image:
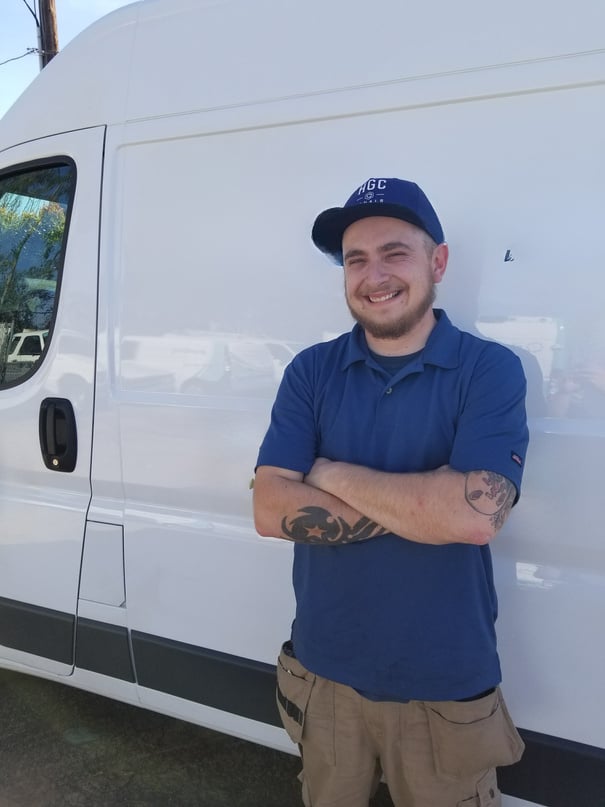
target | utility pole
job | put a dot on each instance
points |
(47, 31)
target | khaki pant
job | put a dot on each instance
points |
(431, 754)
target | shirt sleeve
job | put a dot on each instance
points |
(492, 432)
(291, 440)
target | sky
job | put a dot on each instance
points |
(18, 33)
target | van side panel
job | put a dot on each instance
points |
(212, 272)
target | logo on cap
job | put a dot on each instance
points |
(370, 192)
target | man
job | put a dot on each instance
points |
(394, 456)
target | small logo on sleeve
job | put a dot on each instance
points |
(516, 458)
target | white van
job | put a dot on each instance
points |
(158, 182)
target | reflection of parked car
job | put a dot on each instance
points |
(204, 363)
(26, 347)
(240, 364)
(235, 365)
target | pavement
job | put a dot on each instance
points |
(61, 747)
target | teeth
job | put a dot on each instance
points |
(382, 298)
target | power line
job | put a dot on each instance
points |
(32, 12)
(46, 23)
(28, 52)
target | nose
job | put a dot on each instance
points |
(376, 270)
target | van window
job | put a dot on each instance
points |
(34, 210)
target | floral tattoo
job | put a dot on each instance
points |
(490, 494)
(315, 525)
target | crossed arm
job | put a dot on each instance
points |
(339, 503)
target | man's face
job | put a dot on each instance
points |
(390, 277)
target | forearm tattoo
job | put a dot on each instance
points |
(490, 494)
(315, 525)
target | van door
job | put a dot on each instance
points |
(50, 193)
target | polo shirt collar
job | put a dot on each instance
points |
(442, 348)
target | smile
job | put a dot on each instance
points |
(382, 298)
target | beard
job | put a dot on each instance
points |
(401, 326)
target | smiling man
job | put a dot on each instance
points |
(393, 458)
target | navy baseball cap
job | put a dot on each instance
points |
(395, 198)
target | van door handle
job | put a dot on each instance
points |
(58, 434)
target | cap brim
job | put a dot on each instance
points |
(330, 225)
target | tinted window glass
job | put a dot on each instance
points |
(34, 208)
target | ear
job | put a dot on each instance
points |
(439, 262)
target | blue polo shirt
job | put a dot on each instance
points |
(396, 619)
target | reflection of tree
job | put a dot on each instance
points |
(30, 243)
(33, 207)
(16, 231)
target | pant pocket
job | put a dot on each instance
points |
(294, 686)
(488, 794)
(470, 737)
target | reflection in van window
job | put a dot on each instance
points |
(34, 207)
